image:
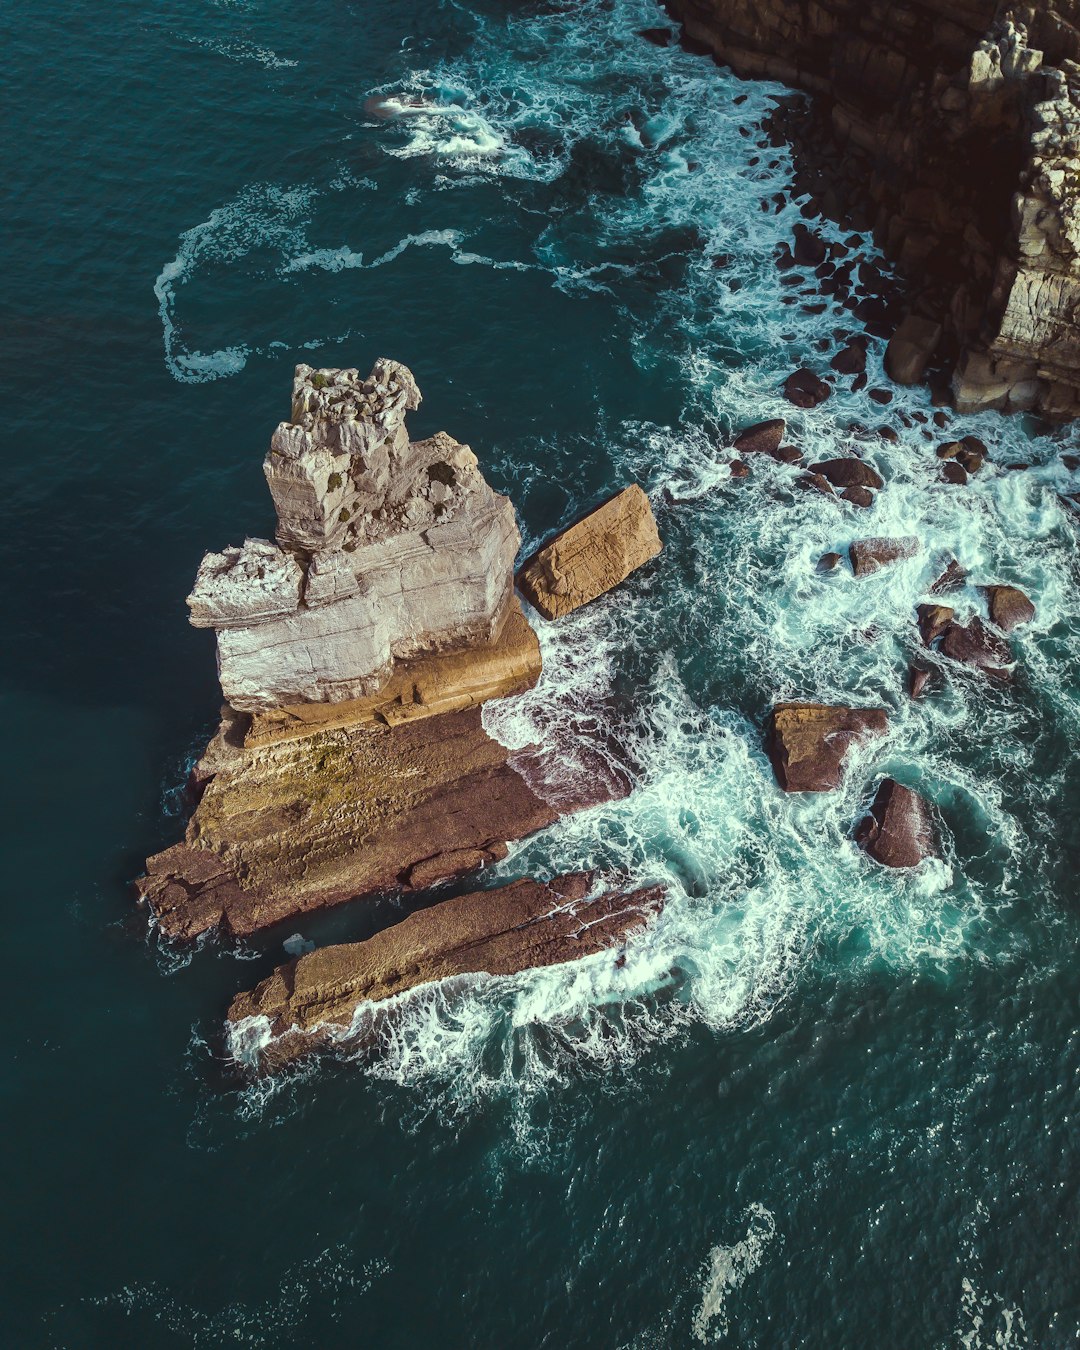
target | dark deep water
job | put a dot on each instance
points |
(849, 1118)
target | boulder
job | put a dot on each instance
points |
(809, 742)
(951, 579)
(850, 360)
(953, 472)
(813, 482)
(850, 472)
(910, 349)
(805, 389)
(314, 1001)
(917, 680)
(870, 555)
(589, 558)
(858, 496)
(762, 437)
(828, 562)
(933, 621)
(974, 645)
(899, 831)
(1008, 606)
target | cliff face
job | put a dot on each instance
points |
(961, 121)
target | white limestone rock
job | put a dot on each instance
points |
(245, 586)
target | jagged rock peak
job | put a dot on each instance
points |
(386, 548)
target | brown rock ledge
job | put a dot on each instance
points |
(521, 926)
(299, 824)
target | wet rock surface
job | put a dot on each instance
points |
(1009, 607)
(500, 932)
(899, 831)
(808, 743)
(871, 555)
(592, 556)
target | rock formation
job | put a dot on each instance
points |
(314, 1000)
(590, 557)
(958, 126)
(386, 548)
(899, 831)
(355, 652)
(809, 742)
(871, 555)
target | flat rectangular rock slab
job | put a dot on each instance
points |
(809, 742)
(301, 824)
(592, 556)
(523, 926)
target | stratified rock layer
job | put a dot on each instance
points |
(591, 557)
(522, 926)
(960, 122)
(386, 549)
(298, 824)
(809, 742)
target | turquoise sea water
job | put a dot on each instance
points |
(821, 1105)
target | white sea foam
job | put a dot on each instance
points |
(236, 49)
(727, 1269)
(988, 1321)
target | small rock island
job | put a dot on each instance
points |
(355, 651)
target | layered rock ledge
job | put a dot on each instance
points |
(314, 1000)
(958, 123)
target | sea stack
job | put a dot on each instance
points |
(355, 650)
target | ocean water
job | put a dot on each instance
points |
(821, 1105)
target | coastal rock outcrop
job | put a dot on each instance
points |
(314, 1000)
(957, 133)
(809, 742)
(1009, 607)
(899, 831)
(871, 555)
(589, 558)
(386, 548)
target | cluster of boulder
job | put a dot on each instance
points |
(953, 133)
(355, 651)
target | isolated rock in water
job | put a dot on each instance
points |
(808, 742)
(951, 579)
(312, 1001)
(933, 621)
(899, 831)
(858, 496)
(805, 389)
(910, 349)
(870, 555)
(917, 680)
(385, 549)
(763, 437)
(954, 473)
(975, 645)
(828, 562)
(813, 482)
(846, 473)
(591, 557)
(1009, 607)
(850, 360)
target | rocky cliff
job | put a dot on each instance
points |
(959, 121)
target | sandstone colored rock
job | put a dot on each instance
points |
(386, 549)
(933, 621)
(310, 1002)
(809, 742)
(1009, 607)
(870, 555)
(762, 437)
(592, 556)
(297, 824)
(899, 831)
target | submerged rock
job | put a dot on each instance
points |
(591, 557)
(1009, 607)
(311, 1001)
(809, 742)
(899, 831)
(870, 555)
